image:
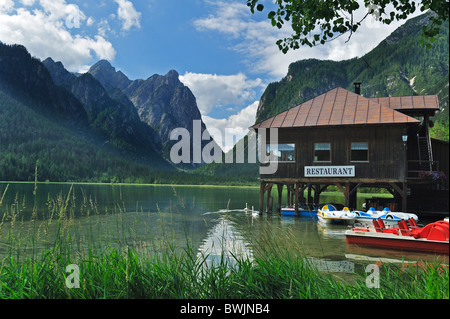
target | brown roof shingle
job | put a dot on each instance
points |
(342, 107)
(408, 102)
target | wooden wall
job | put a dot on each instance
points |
(440, 154)
(386, 150)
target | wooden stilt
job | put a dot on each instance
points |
(301, 193)
(297, 186)
(316, 193)
(402, 191)
(353, 195)
(405, 198)
(269, 199)
(280, 196)
(262, 188)
(288, 196)
(347, 194)
(309, 199)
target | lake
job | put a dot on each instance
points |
(210, 219)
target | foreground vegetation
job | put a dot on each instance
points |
(116, 273)
(35, 255)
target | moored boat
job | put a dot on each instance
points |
(304, 210)
(433, 238)
(328, 214)
(388, 217)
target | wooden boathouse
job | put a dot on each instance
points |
(344, 139)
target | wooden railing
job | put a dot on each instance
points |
(415, 168)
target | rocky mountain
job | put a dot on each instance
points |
(69, 132)
(399, 66)
(135, 113)
(162, 101)
(116, 120)
(107, 75)
(96, 126)
(26, 77)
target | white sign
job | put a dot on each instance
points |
(329, 171)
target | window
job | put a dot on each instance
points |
(281, 152)
(322, 152)
(359, 152)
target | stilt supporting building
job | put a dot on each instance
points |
(343, 139)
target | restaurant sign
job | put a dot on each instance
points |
(329, 171)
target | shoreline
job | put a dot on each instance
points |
(127, 184)
(165, 185)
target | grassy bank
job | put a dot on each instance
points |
(125, 264)
(123, 273)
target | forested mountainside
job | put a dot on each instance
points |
(73, 128)
(45, 125)
(399, 66)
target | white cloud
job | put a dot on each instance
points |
(128, 15)
(366, 38)
(90, 21)
(47, 31)
(104, 28)
(27, 2)
(212, 90)
(234, 128)
(231, 13)
(6, 5)
(222, 91)
(256, 40)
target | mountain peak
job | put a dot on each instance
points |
(107, 75)
(105, 65)
(172, 78)
(59, 74)
(172, 73)
(49, 60)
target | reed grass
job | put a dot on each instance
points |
(127, 264)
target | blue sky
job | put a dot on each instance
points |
(223, 53)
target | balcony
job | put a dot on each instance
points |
(425, 172)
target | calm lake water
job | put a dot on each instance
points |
(211, 219)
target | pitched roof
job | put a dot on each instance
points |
(409, 102)
(342, 107)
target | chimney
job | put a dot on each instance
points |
(357, 87)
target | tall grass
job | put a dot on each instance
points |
(127, 264)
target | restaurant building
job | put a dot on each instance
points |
(343, 139)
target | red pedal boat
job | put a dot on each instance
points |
(432, 238)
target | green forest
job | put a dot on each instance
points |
(31, 142)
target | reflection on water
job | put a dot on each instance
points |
(211, 220)
(224, 241)
(330, 231)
